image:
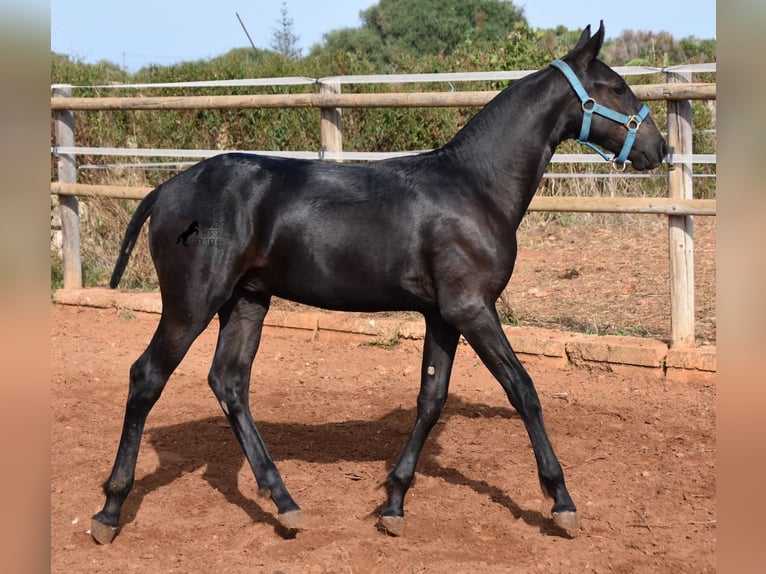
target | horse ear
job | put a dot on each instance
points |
(584, 37)
(598, 39)
(587, 48)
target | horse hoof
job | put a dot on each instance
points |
(292, 519)
(102, 533)
(566, 520)
(393, 525)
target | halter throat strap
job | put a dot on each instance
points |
(590, 107)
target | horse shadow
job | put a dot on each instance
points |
(209, 443)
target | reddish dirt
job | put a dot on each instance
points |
(639, 455)
(609, 278)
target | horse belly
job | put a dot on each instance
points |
(353, 276)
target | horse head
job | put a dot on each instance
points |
(604, 109)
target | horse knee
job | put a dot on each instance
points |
(229, 389)
(431, 399)
(431, 405)
(526, 402)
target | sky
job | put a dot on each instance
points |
(141, 32)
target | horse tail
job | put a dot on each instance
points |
(131, 234)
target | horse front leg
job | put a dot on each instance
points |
(483, 331)
(438, 354)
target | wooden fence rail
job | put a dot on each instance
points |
(334, 99)
(655, 205)
(678, 206)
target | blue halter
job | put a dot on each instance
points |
(590, 107)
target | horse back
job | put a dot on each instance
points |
(338, 236)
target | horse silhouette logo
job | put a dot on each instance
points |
(191, 230)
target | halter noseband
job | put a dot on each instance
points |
(590, 107)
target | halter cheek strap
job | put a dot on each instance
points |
(590, 107)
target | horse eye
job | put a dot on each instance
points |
(620, 90)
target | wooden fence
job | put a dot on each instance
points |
(679, 206)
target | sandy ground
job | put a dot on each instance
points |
(639, 456)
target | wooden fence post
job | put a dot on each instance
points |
(681, 227)
(331, 121)
(68, 205)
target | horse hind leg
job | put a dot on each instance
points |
(238, 340)
(148, 376)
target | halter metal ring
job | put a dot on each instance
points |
(633, 123)
(619, 166)
(588, 104)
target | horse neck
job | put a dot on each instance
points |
(507, 146)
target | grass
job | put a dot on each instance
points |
(505, 312)
(386, 341)
(127, 314)
(57, 271)
(634, 331)
(94, 273)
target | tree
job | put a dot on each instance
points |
(283, 40)
(639, 47)
(423, 27)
